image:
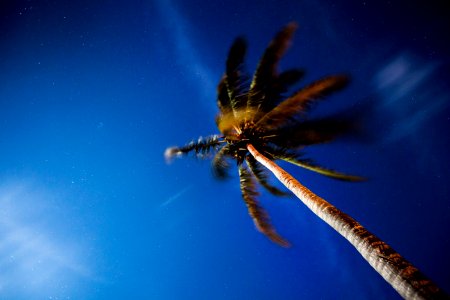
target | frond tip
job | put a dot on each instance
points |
(201, 148)
(171, 153)
(258, 214)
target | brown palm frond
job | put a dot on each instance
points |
(258, 214)
(261, 176)
(300, 101)
(235, 76)
(220, 165)
(279, 86)
(267, 71)
(315, 131)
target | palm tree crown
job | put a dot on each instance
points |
(258, 127)
(256, 114)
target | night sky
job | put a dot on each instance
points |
(92, 93)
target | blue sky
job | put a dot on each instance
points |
(91, 94)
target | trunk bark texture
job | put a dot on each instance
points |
(407, 280)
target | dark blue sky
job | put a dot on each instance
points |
(92, 92)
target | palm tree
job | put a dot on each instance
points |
(258, 127)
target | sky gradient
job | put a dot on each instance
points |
(92, 93)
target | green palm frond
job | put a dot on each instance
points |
(235, 77)
(223, 99)
(258, 214)
(261, 175)
(310, 165)
(267, 72)
(300, 101)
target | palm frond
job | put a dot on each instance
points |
(224, 104)
(201, 148)
(223, 99)
(279, 86)
(310, 165)
(300, 101)
(235, 76)
(316, 131)
(261, 176)
(220, 164)
(266, 72)
(258, 214)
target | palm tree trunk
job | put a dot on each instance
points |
(407, 280)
